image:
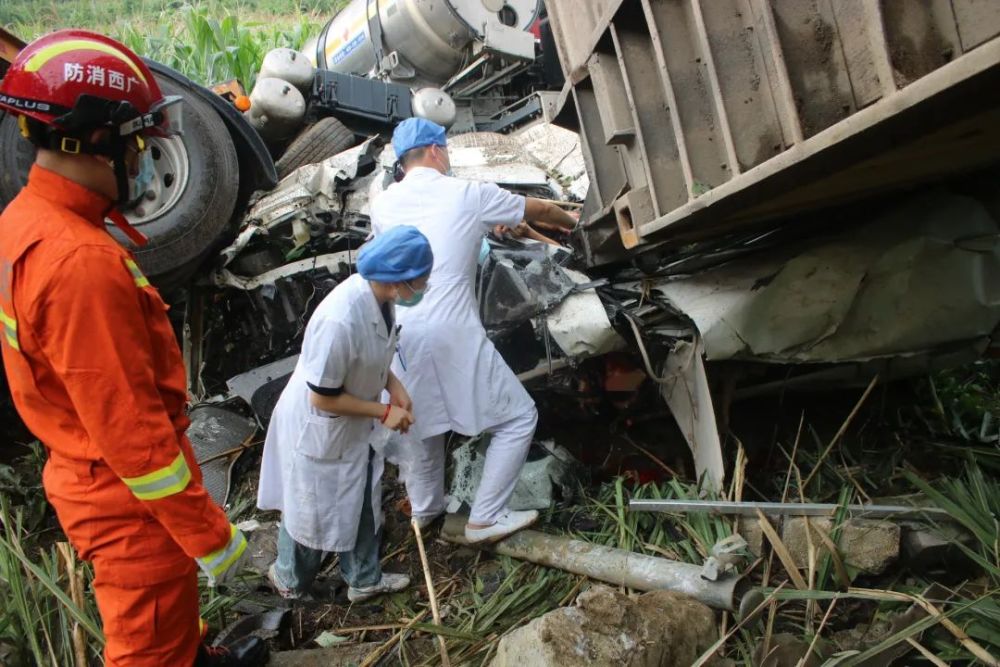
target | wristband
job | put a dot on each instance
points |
(385, 415)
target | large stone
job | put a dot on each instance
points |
(866, 545)
(606, 628)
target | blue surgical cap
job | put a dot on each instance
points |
(417, 133)
(401, 254)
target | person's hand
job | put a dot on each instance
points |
(224, 564)
(398, 419)
(552, 228)
(518, 231)
(398, 395)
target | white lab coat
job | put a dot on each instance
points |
(456, 378)
(315, 463)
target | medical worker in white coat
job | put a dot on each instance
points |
(319, 468)
(458, 380)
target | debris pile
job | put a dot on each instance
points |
(650, 387)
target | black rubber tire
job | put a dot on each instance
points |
(324, 138)
(181, 235)
(16, 156)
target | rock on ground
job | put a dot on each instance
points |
(607, 628)
(339, 656)
(867, 545)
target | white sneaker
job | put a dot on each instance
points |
(286, 593)
(509, 523)
(390, 583)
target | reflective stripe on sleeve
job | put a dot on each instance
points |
(161, 483)
(9, 329)
(219, 561)
(133, 268)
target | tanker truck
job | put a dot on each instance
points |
(463, 63)
(470, 65)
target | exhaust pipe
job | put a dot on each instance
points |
(616, 566)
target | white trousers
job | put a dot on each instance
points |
(422, 469)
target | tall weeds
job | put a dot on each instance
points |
(37, 616)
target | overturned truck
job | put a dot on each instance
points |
(774, 195)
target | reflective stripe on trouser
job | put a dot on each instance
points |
(219, 561)
(152, 625)
(9, 329)
(166, 481)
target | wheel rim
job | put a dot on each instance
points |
(171, 168)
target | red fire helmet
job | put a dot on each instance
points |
(75, 80)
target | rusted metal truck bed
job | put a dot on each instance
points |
(699, 117)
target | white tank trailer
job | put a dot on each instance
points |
(429, 38)
(418, 43)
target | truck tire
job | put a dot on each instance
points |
(16, 156)
(324, 138)
(196, 185)
(195, 189)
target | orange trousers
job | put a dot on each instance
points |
(146, 587)
(155, 626)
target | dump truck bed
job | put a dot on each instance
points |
(700, 117)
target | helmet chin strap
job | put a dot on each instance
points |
(121, 178)
(113, 148)
(133, 234)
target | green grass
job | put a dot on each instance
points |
(38, 615)
(209, 41)
(34, 17)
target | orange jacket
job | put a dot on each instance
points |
(96, 374)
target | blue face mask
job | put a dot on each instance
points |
(139, 184)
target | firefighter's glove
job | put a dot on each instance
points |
(222, 565)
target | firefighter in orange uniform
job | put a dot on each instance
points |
(91, 359)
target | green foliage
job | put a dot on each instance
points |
(974, 501)
(687, 537)
(210, 50)
(37, 615)
(965, 402)
(209, 42)
(22, 484)
(525, 591)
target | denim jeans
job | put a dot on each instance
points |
(297, 565)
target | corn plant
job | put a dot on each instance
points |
(208, 42)
(209, 49)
